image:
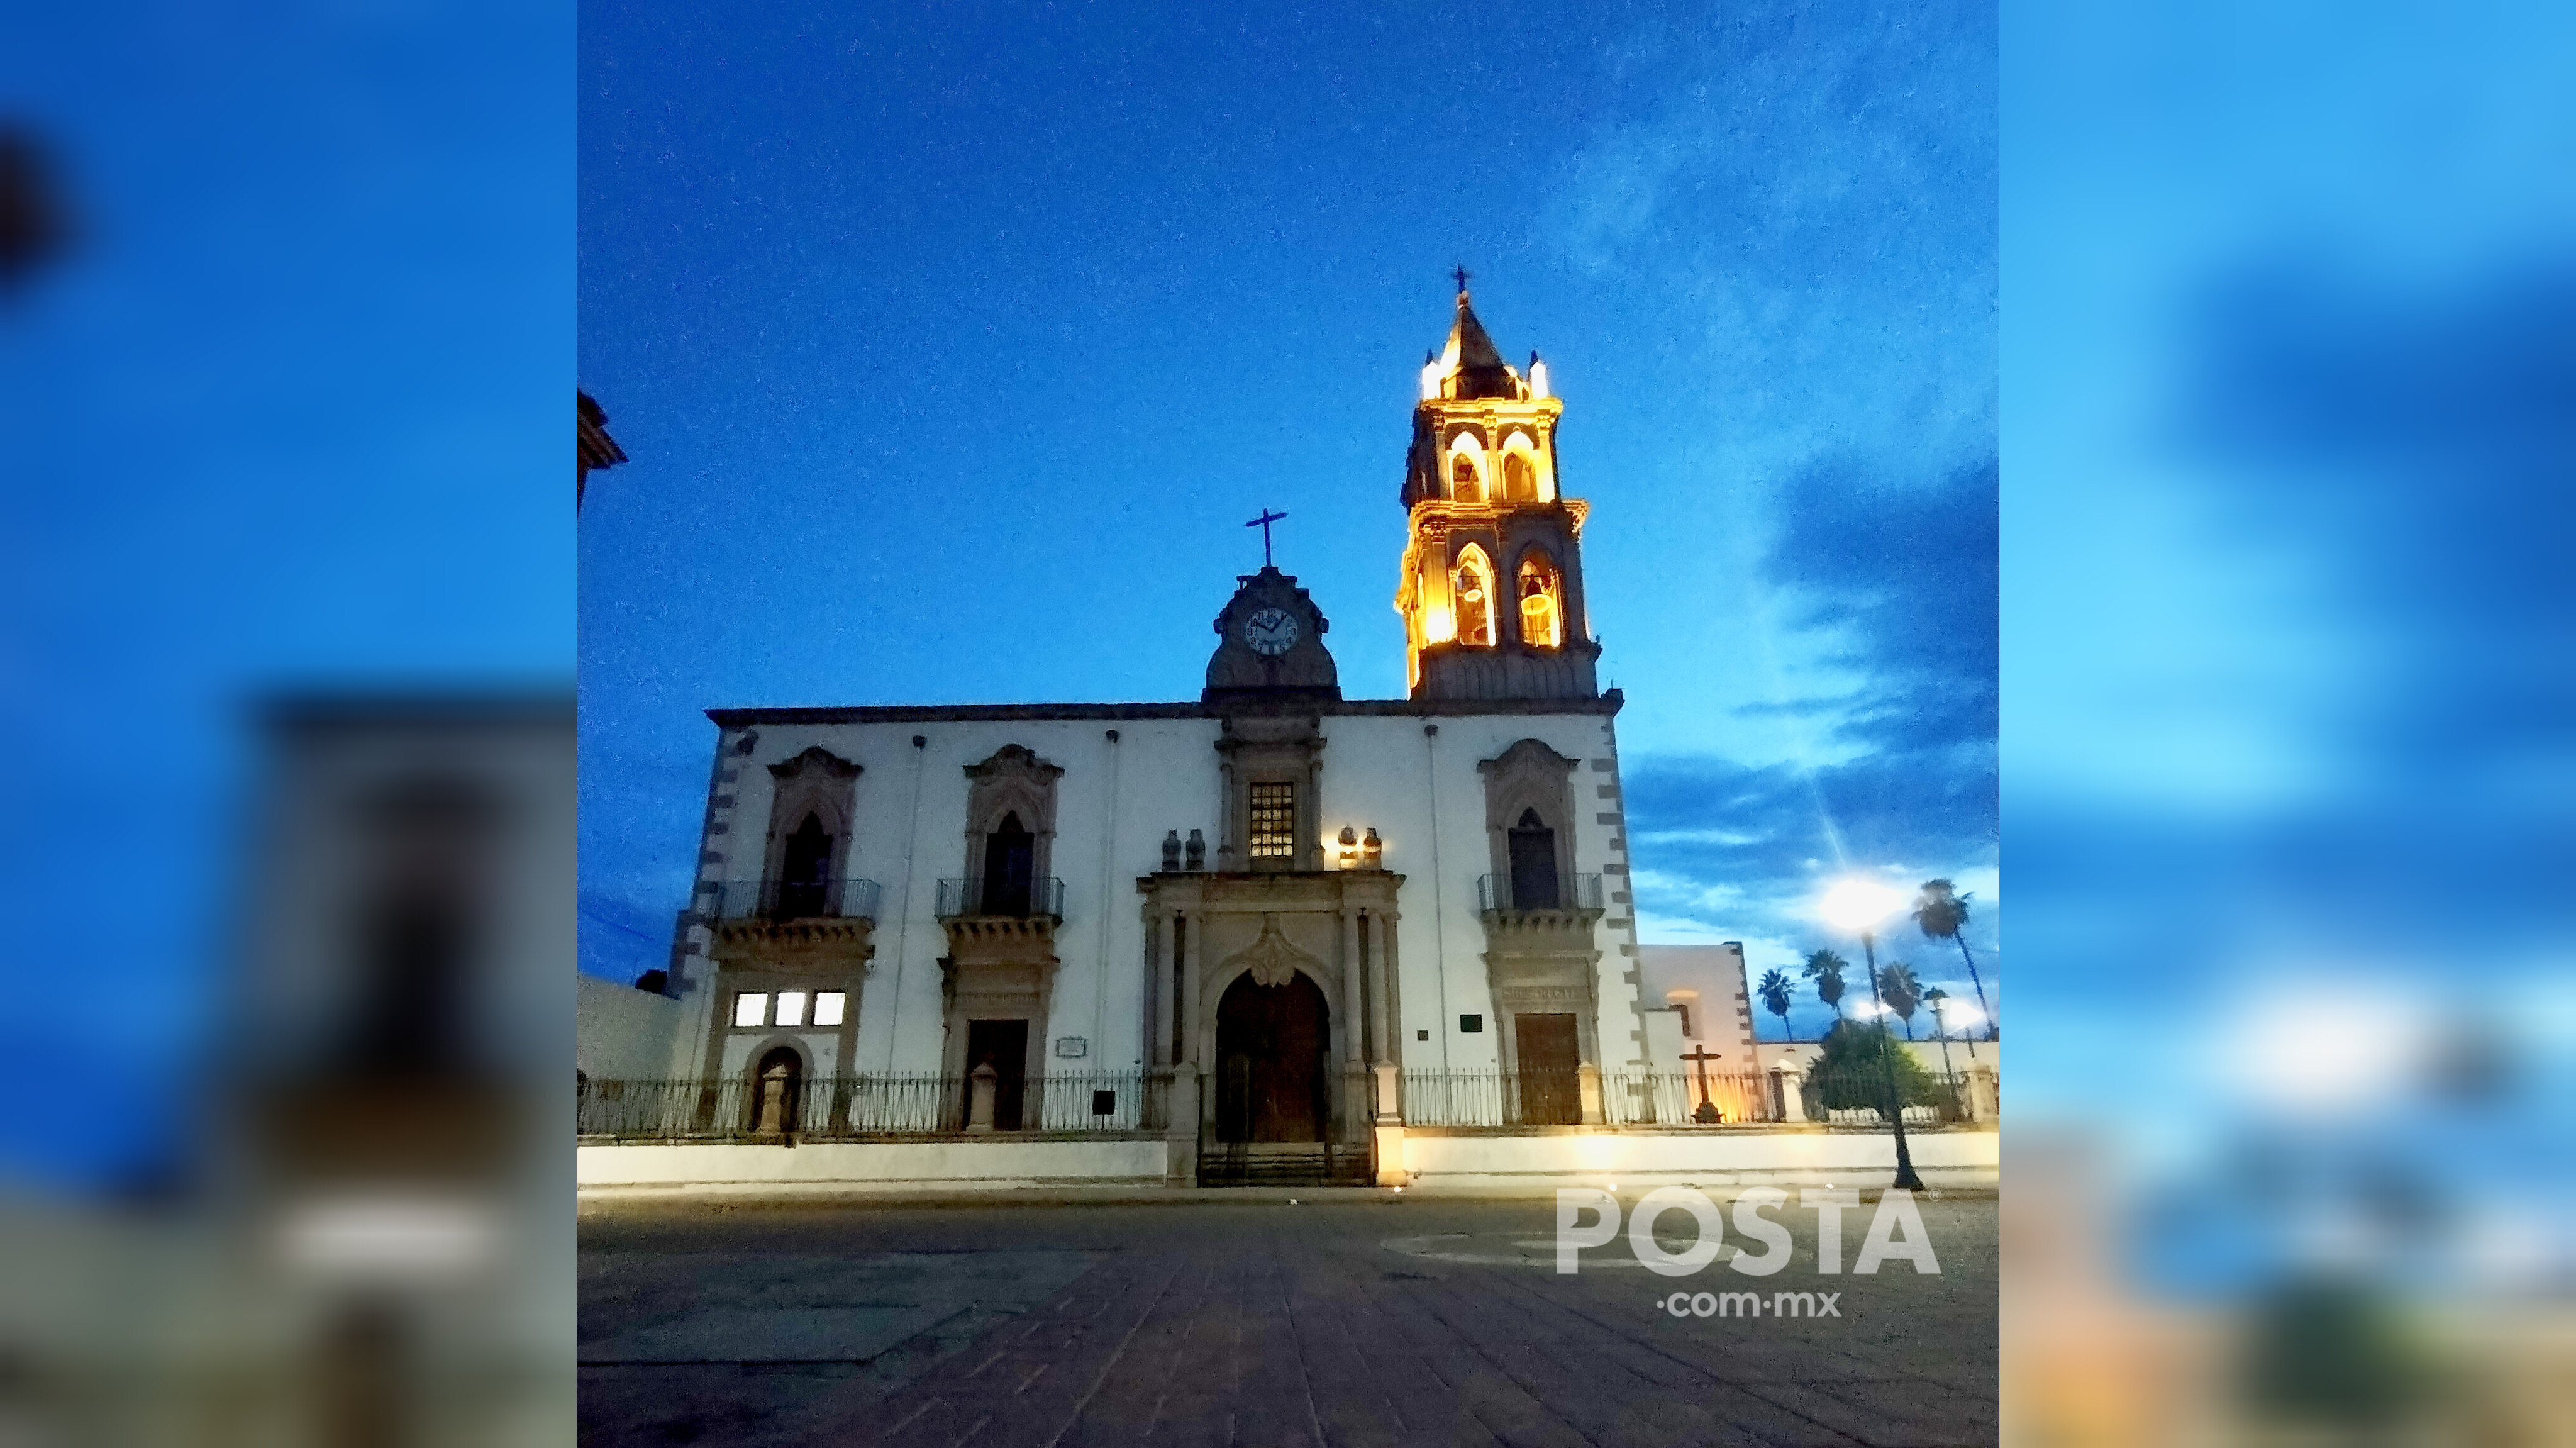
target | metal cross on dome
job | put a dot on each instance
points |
(1263, 523)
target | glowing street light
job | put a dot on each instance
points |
(1964, 1018)
(1859, 906)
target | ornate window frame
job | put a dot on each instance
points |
(1530, 776)
(1012, 780)
(820, 783)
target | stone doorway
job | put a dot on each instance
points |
(1272, 1045)
(1003, 1045)
(775, 1089)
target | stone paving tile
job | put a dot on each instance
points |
(1298, 1326)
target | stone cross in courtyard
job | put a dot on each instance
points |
(1707, 1113)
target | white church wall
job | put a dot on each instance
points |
(822, 1050)
(1114, 804)
(1426, 797)
(619, 1032)
(1162, 775)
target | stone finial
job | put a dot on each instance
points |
(1373, 851)
(983, 1091)
(1198, 851)
(1171, 851)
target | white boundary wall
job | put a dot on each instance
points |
(871, 1166)
(1641, 1158)
(1821, 1158)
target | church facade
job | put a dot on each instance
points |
(1287, 901)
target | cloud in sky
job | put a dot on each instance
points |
(1814, 194)
(1903, 582)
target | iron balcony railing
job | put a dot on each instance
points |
(789, 900)
(1015, 899)
(739, 1109)
(1567, 892)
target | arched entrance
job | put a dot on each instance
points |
(1272, 1042)
(775, 1088)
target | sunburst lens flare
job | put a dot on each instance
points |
(1860, 905)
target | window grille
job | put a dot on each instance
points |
(1274, 822)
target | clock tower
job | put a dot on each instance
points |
(1270, 646)
(1491, 587)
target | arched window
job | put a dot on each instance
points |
(1520, 479)
(805, 870)
(1464, 483)
(1473, 587)
(1010, 865)
(1533, 850)
(1542, 605)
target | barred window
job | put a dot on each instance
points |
(1274, 822)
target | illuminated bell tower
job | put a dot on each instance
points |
(1492, 583)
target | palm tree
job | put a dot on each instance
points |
(1941, 913)
(1774, 991)
(1901, 991)
(1826, 969)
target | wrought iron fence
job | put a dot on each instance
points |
(1572, 892)
(790, 900)
(736, 1108)
(1856, 1096)
(1017, 899)
(1492, 1098)
(1670, 1098)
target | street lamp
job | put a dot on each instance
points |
(1936, 998)
(1858, 906)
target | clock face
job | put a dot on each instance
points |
(1271, 632)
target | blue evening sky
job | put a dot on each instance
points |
(288, 416)
(952, 347)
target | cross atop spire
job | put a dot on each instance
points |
(1263, 523)
(1461, 274)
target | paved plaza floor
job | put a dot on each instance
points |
(1421, 1320)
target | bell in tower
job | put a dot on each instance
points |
(1492, 583)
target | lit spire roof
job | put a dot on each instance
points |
(1470, 358)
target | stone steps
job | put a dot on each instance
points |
(1284, 1164)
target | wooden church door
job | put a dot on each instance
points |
(1551, 1089)
(1271, 1044)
